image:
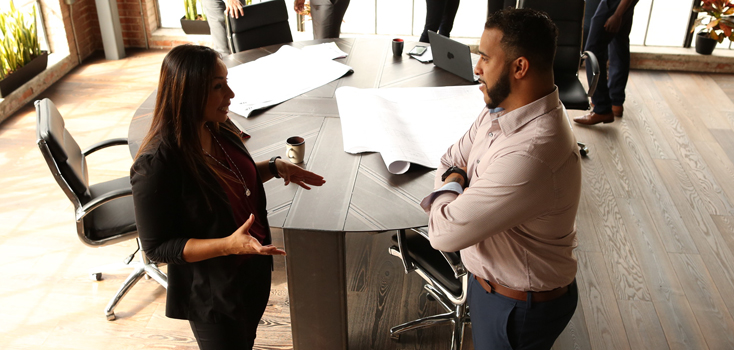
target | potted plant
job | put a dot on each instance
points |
(21, 57)
(719, 24)
(193, 22)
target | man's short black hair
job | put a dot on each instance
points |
(526, 33)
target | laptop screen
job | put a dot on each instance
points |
(452, 56)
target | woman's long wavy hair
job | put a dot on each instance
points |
(183, 90)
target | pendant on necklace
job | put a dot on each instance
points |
(247, 192)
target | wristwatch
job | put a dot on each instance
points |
(273, 168)
(457, 170)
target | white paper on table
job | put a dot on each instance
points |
(271, 79)
(326, 50)
(407, 125)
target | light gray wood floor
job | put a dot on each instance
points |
(656, 231)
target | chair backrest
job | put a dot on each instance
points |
(263, 24)
(568, 15)
(63, 155)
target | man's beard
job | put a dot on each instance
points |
(500, 90)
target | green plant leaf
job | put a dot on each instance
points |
(19, 43)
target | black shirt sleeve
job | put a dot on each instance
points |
(158, 208)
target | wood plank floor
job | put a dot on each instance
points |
(656, 231)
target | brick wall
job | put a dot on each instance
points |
(86, 25)
(89, 35)
(133, 33)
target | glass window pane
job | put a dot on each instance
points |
(394, 16)
(639, 22)
(668, 22)
(171, 13)
(359, 18)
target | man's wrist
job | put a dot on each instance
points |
(456, 177)
(455, 174)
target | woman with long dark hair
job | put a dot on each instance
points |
(200, 203)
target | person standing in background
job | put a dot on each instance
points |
(609, 38)
(215, 11)
(439, 17)
(326, 15)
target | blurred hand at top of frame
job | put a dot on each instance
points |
(233, 8)
(299, 6)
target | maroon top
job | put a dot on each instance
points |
(242, 205)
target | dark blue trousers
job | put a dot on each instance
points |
(439, 17)
(614, 47)
(502, 323)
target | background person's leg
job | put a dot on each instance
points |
(447, 20)
(327, 16)
(619, 60)
(214, 10)
(434, 14)
(598, 43)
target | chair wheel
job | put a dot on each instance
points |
(111, 316)
(97, 276)
(583, 149)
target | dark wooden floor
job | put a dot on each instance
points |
(656, 231)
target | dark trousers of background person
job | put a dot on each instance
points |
(240, 334)
(502, 323)
(327, 16)
(214, 11)
(496, 5)
(614, 47)
(440, 16)
(589, 12)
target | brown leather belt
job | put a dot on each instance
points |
(536, 297)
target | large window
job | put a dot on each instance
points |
(27, 7)
(656, 22)
(663, 23)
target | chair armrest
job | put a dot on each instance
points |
(594, 79)
(452, 258)
(404, 256)
(104, 144)
(97, 201)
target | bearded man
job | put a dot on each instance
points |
(508, 190)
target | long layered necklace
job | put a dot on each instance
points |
(238, 174)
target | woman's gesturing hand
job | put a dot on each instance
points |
(297, 175)
(241, 242)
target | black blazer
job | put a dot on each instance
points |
(170, 208)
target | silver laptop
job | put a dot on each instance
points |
(453, 56)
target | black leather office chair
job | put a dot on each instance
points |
(446, 282)
(263, 24)
(568, 15)
(104, 211)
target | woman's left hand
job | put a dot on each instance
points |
(297, 175)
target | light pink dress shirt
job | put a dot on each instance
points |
(515, 223)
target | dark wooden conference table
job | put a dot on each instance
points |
(360, 195)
